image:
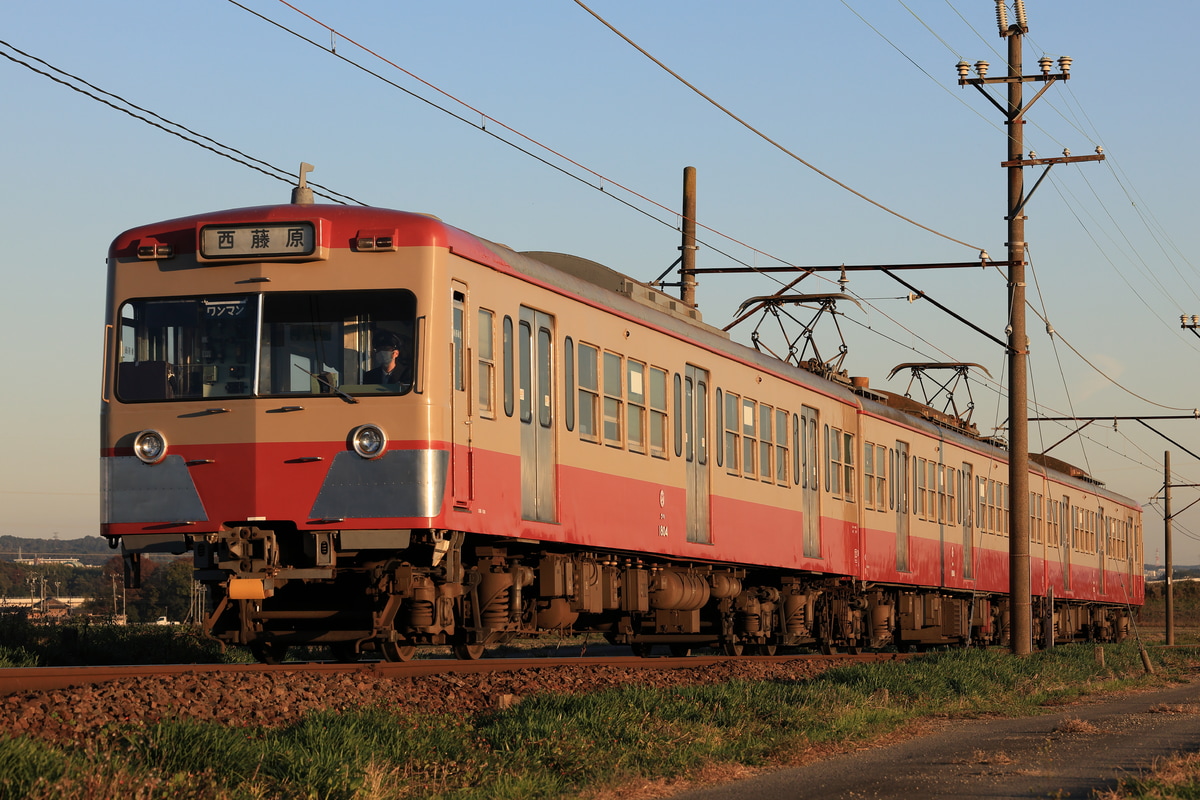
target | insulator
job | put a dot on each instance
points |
(1022, 21)
(1002, 16)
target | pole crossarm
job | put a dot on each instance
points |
(1034, 162)
(981, 264)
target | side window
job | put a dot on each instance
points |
(840, 475)
(589, 392)
(719, 426)
(459, 337)
(509, 370)
(951, 482)
(678, 415)
(920, 489)
(781, 447)
(635, 411)
(797, 475)
(569, 380)
(486, 360)
(545, 357)
(658, 412)
(868, 475)
(749, 437)
(733, 405)
(612, 399)
(526, 383)
(848, 476)
(766, 443)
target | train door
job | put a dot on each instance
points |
(967, 513)
(901, 482)
(460, 401)
(695, 453)
(535, 339)
(1102, 524)
(810, 486)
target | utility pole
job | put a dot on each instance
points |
(1019, 581)
(687, 250)
(1169, 585)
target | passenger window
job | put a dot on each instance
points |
(588, 392)
(612, 399)
(635, 416)
(486, 360)
(749, 437)
(658, 412)
(508, 366)
(569, 378)
(781, 447)
(526, 356)
(459, 336)
(732, 437)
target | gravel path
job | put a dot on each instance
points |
(1071, 753)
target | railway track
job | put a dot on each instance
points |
(43, 679)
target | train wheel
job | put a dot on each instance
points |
(733, 648)
(469, 652)
(681, 650)
(268, 652)
(641, 649)
(765, 649)
(394, 651)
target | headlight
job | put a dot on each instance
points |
(150, 446)
(369, 441)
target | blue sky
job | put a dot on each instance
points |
(866, 91)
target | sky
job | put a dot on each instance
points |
(866, 92)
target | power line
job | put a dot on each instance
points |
(763, 136)
(187, 134)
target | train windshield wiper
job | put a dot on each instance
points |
(332, 387)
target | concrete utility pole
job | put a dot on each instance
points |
(1020, 587)
(1169, 585)
(687, 250)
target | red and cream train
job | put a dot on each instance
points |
(376, 431)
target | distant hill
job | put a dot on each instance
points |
(88, 549)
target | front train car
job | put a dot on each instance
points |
(269, 406)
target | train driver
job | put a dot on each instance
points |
(392, 359)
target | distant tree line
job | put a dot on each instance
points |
(166, 587)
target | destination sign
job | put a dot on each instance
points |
(258, 240)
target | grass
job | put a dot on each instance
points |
(69, 644)
(555, 746)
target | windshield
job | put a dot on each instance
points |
(304, 343)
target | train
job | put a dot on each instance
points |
(376, 432)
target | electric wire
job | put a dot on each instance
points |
(233, 154)
(483, 128)
(763, 136)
